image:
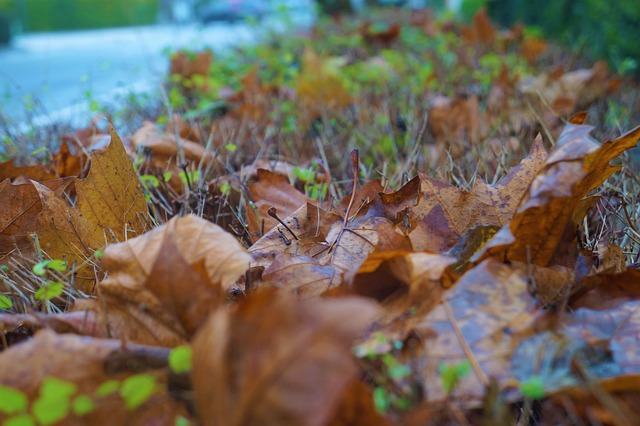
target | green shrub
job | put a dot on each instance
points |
(46, 15)
(598, 29)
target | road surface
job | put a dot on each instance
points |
(49, 77)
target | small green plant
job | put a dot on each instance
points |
(49, 291)
(533, 388)
(451, 374)
(5, 302)
(58, 398)
(180, 359)
(393, 390)
(137, 389)
(41, 268)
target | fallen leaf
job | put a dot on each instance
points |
(577, 165)
(110, 197)
(163, 284)
(271, 191)
(84, 363)
(276, 360)
(444, 212)
(320, 87)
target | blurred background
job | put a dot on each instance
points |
(58, 56)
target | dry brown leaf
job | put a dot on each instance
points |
(319, 87)
(8, 170)
(577, 165)
(110, 198)
(444, 212)
(564, 93)
(186, 65)
(83, 361)
(481, 319)
(271, 190)
(481, 31)
(454, 120)
(277, 360)
(379, 37)
(162, 285)
(164, 146)
(357, 408)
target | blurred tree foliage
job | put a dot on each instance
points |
(606, 29)
(48, 15)
(332, 7)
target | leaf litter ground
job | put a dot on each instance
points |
(471, 260)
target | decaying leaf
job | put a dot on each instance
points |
(577, 165)
(84, 363)
(271, 191)
(443, 212)
(110, 197)
(163, 284)
(276, 360)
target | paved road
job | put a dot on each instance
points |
(56, 71)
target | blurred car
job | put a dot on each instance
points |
(231, 10)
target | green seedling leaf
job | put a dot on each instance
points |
(50, 410)
(305, 175)
(5, 302)
(52, 386)
(40, 268)
(451, 374)
(533, 388)
(399, 371)
(136, 390)
(231, 147)
(98, 254)
(83, 404)
(381, 399)
(225, 189)
(180, 359)
(181, 421)
(166, 176)
(39, 150)
(107, 388)
(53, 404)
(20, 420)
(4, 268)
(49, 291)
(189, 177)
(151, 180)
(12, 400)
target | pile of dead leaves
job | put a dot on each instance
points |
(429, 276)
(430, 304)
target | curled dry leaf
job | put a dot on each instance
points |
(84, 362)
(577, 165)
(277, 360)
(441, 212)
(164, 146)
(271, 190)
(163, 284)
(564, 92)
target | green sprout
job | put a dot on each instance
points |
(49, 291)
(533, 388)
(451, 374)
(180, 359)
(41, 268)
